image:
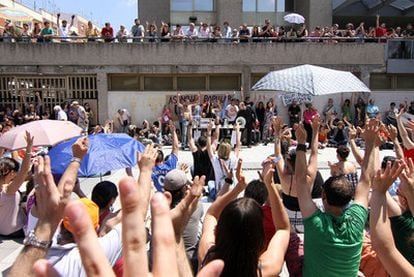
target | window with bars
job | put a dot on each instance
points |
(52, 90)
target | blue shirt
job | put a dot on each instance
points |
(159, 171)
(372, 111)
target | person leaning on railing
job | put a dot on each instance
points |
(91, 32)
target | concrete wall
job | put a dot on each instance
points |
(158, 10)
(230, 11)
(148, 105)
(316, 12)
(189, 57)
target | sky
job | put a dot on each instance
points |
(116, 12)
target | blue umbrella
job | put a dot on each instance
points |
(106, 152)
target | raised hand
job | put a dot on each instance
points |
(352, 132)
(400, 113)
(240, 175)
(393, 132)
(147, 159)
(301, 134)
(50, 202)
(29, 141)
(371, 132)
(407, 176)
(277, 125)
(80, 147)
(267, 174)
(385, 178)
(316, 122)
(184, 167)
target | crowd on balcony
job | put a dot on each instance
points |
(203, 31)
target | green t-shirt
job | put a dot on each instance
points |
(46, 31)
(333, 244)
(403, 230)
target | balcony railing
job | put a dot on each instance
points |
(393, 44)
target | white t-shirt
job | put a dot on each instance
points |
(66, 258)
(219, 171)
(63, 31)
(62, 115)
(193, 33)
(12, 216)
(231, 112)
(125, 115)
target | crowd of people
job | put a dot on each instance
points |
(203, 31)
(288, 215)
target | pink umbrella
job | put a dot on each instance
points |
(45, 133)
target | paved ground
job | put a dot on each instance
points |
(252, 158)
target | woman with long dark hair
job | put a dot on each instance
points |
(233, 232)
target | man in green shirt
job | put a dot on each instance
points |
(402, 227)
(333, 239)
(46, 32)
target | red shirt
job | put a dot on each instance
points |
(107, 32)
(409, 153)
(269, 227)
(380, 32)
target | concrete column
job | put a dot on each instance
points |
(102, 86)
(230, 11)
(316, 12)
(158, 10)
(365, 76)
(246, 80)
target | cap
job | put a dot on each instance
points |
(175, 180)
(91, 208)
(75, 103)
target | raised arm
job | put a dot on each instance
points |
(210, 150)
(216, 136)
(58, 20)
(71, 21)
(393, 133)
(277, 126)
(238, 141)
(303, 186)
(24, 170)
(369, 165)
(354, 148)
(313, 158)
(273, 258)
(407, 177)
(175, 143)
(191, 143)
(381, 235)
(69, 177)
(407, 142)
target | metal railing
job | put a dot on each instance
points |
(194, 40)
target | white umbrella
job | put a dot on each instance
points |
(312, 80)
(44, 132)
(294, 18)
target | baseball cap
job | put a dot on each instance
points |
(92, 210)
(175, 180)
